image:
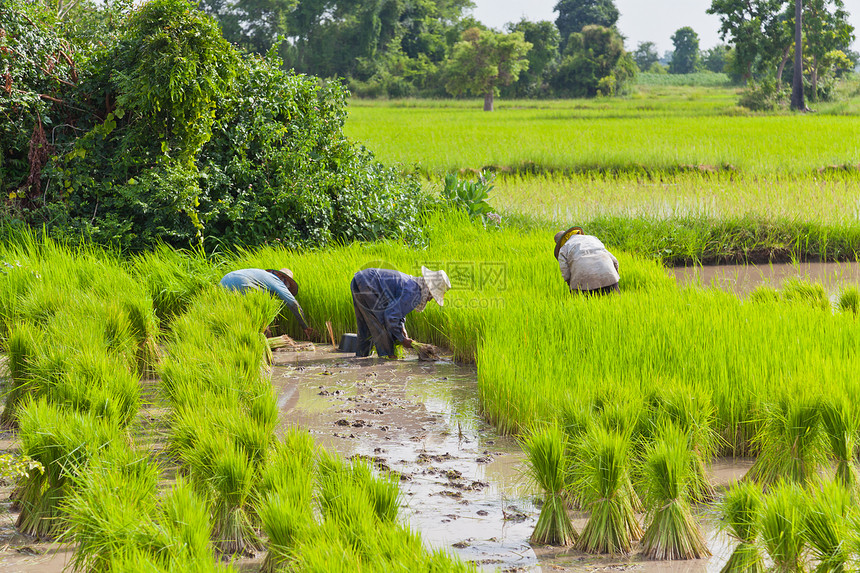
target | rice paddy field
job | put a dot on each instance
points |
(619, 403)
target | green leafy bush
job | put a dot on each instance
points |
(170, 135)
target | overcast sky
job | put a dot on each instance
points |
(640, 21)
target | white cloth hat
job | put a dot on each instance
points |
(438, 283)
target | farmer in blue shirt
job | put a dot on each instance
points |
(382, 298)
(279, 283)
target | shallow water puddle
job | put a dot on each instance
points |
(462, 483)
(742, 279)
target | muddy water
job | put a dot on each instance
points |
(741, 279)
(462, 483)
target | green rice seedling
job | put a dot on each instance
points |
(63, 442)
(689, 408)
(849, 300)
(287, 518)
(383, 492)
(173, 278)
(813, 294)
(841, 427)
(291, 460)
(741, 513)
(791, 442)
(22, 347)
(612, 524)
(782, 526)
(669, 478)
(223, 473)
(547, 466)
(95, 381)
(764, 294)
(829, 527)
(181, 532)
(576, 419)
(109, 506)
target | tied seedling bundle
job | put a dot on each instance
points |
(741, 515)
(669, 477)
(605, 490)
(547, 464)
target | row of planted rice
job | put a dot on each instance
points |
(80, 330)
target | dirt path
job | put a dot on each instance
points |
(461, 481)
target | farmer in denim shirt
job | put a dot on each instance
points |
(279, 283)
(382, 298)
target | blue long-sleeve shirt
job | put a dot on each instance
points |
(245, 279)
(397, 293)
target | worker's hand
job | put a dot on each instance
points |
(407, 343)
(310, 333)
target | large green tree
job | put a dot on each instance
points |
(483, 61)
(685, 58)
(543, 57)
(594, 63)
(574, 15)
(645, 55)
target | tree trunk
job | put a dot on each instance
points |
(814, 79)
(488, 101)
(797, 102)
(785, 56)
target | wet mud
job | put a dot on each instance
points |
(463, 485)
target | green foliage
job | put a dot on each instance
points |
(574, 15)
(685, 58)
(180, 140)
(543, 57)
(646, 56)
(594, 63)
(469, 196)
(485, 60)
(741, 514)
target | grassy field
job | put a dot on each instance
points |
(660, 130)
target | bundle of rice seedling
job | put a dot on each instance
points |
(612, 525)
(282, 341)
(383, 492)
(182, 531)
(672, 533)
(291, 461)
(547, 466)
(224, 474)
(841, 427)
(110, 506)
(782, 526)
(689, 408)
(287, 518)
(791, 443)
(63, 442)
(830, 527)
(849, 300)
(22, 347)
(426, 352)
(741, 515)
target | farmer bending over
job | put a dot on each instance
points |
(586, 265)
(279, 283)
(382, 298)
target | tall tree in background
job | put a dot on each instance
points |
(826, 31)
(797, 102)
(594, 63)
(544, 38)
(685, 59)
(749, 26)
(646, 56)
(574, 15)
(484, 60)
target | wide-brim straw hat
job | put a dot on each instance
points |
(562, 236)
(286, 276)
(438, 283)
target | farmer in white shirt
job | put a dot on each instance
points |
(585, 264)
